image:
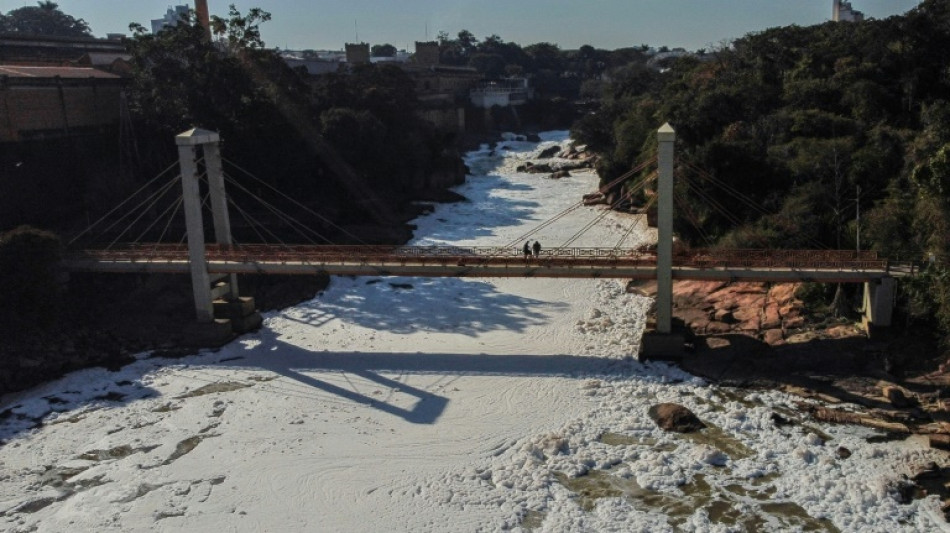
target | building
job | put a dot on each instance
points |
(503, 93)
(841, 11)
(44, 102)
(171, 18)
(18, 49)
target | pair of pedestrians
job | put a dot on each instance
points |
(530, 249)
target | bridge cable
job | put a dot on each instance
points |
(602, 189)
(176, 204)
(253, 220)
(638, 186)
(154, 200)
(684, 206)
(746, 200)
(128, 199)
(296, 202)
(289, 220)
(171, 219)
(712, 202)
(635, 224)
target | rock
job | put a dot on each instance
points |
(903, 491)
(929, 471)
(533, 138)
(780, 420)
(717, 343)
(676, 418)
(771, 318)
(548, 153)
(725, 316)
(897, 398)
(718, 328)
(559, 174)
(939, 441)
(774, 337)
(842, 452)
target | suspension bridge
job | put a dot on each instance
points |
(214, 267)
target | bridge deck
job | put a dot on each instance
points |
(462, 261)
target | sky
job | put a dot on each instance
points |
(609, 24)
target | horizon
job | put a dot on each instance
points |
(604, 24)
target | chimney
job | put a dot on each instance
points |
(201, 9)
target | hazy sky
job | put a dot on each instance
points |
(328, 24)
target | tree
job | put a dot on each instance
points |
(44, 19)
(383, 50)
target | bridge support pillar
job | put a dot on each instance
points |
(191, 188)
(878, 303)
(215, 296)
(664, 245)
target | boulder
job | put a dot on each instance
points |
(676, 418)
(533, 138)
(896, 397)
(842, 452)
(559, 174)
(548, 153)
(774, 337)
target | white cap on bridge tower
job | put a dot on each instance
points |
(196, 136)
(666, 133)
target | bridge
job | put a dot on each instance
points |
(834, 266)
(214, 267)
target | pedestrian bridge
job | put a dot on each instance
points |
(487, 262)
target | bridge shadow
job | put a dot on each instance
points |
(357, 377)
(408, 305)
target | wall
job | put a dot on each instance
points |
(56, 108)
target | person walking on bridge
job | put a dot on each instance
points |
(527, 249)
(537, 248)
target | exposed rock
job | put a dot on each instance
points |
(548, 153)
(930, 471)
(676, 418)
(939, 441)
(559, 174)
(716, 343)
(774, 337)
(780, 420)
(533, 138)
(842, 452)
(897, 398)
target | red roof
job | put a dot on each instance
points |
(14, 71)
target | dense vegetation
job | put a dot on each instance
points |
(353, 136)
(44, 19)
(797, 119)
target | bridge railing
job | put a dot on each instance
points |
(473, 256)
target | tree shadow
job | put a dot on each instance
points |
(408, 305)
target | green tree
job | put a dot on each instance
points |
(383, 50)
(44, 19)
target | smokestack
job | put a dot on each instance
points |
(204, 18)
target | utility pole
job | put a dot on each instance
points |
(857, 200)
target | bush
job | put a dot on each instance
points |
(29, 281)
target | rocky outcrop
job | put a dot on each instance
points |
(676, 418)
(770, 313)
(548, 153)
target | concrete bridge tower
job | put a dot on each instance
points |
(217, 301)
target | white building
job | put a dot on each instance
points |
(841, 11)
(504, 93)
(171, 18)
